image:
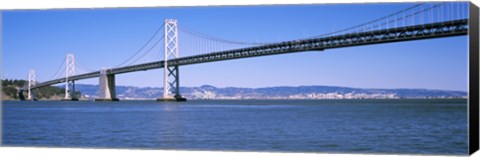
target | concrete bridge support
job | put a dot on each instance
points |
(20, 95)
(106, 87)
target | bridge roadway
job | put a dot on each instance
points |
(415, 32)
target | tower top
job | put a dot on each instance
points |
(170, 20)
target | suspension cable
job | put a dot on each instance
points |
(150, 49)
(214, 38)
(145, 45)
(369, 22)
(80, 65)
(59, 68)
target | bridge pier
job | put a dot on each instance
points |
(70, 91)
(106, 87)
(20, 95)
(173, 84)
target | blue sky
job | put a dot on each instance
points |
(40, 39)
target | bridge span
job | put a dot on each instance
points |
(416, 32)
(172, 61)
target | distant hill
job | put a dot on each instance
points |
(281, 92)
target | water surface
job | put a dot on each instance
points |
(345, 126)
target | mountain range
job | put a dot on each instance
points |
(281, 92)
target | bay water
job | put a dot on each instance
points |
(400, 126)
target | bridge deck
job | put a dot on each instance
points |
(415, 32)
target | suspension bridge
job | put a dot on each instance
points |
(418, 22)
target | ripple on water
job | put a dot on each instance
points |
(313, 126)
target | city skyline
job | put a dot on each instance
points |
(94, 36)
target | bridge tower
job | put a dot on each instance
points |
(70, 84)
(171, 80)
(31, 83)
